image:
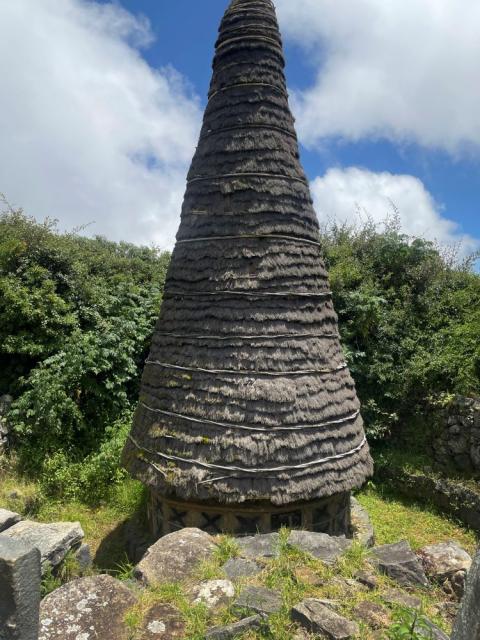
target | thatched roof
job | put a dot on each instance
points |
(245, 394)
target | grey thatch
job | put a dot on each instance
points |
(245, 395)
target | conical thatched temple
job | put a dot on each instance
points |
(248, 418)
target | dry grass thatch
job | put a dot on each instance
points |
(246, 372)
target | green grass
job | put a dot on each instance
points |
(396, 518)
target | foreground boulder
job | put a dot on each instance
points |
(264, 545)
(238, 568)
(319, 619)
(175, 557)
(213, 593)
(53, 541)
(467, 624)
(446, 563)
(320, 545)
(8, 519)
(400, 563)
(162, 622)
(362, 527)
(85, 609)
(235, 630)
(259, 600)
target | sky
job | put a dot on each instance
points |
(101, 106)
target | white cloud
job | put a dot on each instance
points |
(89, 131)
(355, 194)
(405, 70)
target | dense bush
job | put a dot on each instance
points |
(409, 318)
(76, 317)
(77, 314)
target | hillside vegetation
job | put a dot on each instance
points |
(77, 314)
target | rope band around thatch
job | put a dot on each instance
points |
(251, 372)
(249, 174)
(208, 465)
(250, 236)
(248, 294)
(247, 37)
(243, 427)
(265, 336)
(258, 12)
(242, 85)
(270, 127)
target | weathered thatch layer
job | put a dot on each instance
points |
(245, 394)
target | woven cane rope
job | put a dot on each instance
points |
(249, 84)
(250, 236)
(256, 11)
(248, 174)
(253, 372)
(252, 125)
(279, 336)
(242, 427)
(245, 37)
(208, 465)
(249, 294)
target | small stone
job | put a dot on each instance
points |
(234, 630)
(430, 631)
(237, 568)
(175, 557)
(84, 557)
(259, 600)
(320, 545)
(85, 609)
(54, 541)
(363, 530)
(8, 519)
(372, 614)
(213, 593)
(400, 563)
(444, 559)
(399, 598)
(305, 575)
(368, 579)
(162, 622)
(260, 546)
(19, 590)
(316, 618)
(348, 586)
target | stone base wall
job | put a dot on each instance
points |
(329, 515)
(456, 440)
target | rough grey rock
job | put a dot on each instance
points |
(162, 622)
(213, 593)
(85, 609)
(444, 559)
(432, 632)
(401, 599)
(372, 614)
(316, 618)
(467, 624)
(53, 541)
(362, 526)
(320, 545)
(260, 546)
(19, 590)
(400, 563)
(175, 557)
(259, 600)
(448, 564)
(368, 579)
(84, 557)
(8, 519)
(234, 630)
(237, 568)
